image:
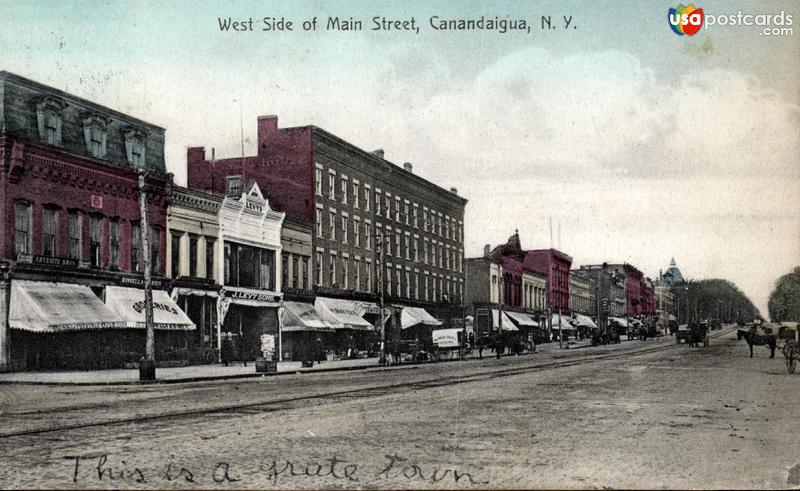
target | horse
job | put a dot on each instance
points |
(755, 339)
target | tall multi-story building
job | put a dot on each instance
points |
(71, 254)
(360, 205)
(581, 293)
(555, 265)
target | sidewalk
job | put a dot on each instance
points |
(196, 373)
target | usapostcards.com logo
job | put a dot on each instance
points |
(688, 20)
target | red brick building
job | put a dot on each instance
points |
(555, 265)
(69, 215)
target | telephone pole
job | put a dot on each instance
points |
(379, 242)
(147, 366)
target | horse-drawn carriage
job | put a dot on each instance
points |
(693, 334)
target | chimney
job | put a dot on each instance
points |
(407, 166)
(378, 152)
(267, 127)
(454, 190)
(486, 250)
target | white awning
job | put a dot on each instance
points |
(342, 314)
(564, 326)
(412, 316)
(301, 316)
(523, 320)
(583, 321)
(508, 324)
(128, 303)
(619, 320)
(43, 306)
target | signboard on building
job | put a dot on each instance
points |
(252, 295)
(48, 261)
(267, 343)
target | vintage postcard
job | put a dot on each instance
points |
(399, 245)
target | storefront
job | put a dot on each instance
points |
(304, 335)
(245, 315)
(201, 306)
(355, 337)
(418, 324)
(528, 327)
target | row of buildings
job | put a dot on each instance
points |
(302, 246)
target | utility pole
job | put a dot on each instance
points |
(147, 366)
(380, 239)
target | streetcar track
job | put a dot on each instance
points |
(376, 391)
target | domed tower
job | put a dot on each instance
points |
(672, 275)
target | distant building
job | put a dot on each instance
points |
(672, 275)
(581, 293)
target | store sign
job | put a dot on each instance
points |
(251, 295)
(267, 343)
(126, 280)
(48, 261)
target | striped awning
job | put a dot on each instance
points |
(128, 303)
(412, 316)
(48, 307)
(301, 316)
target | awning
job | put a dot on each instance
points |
(128, 303)
(42, 306)
(412, 316)
(508, 324)
(583, 321)
(341, 314)
(522, 320)
(564, 326)
(619, 320)
(636, 322)
(300, 316)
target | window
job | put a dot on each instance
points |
(368, 273)
(416, 248)
(399, 287)
(408, 284)
(49, 117)
(331, 185)
(136, 244)
(425, 251)
(135, 146)
(407, 248)
(356, 194)
(284, 270)
(425, 219)
(356, 232)
(49, 228)
(332, 225)
(386, 242)
(306, 272)
(406, 214)
(344, 228)
(378, 202)
(113, 243)
(175, 255)
(344, 189)
(416, 216)
(387, 279)
(193, 255)
(266, 269)
(345, 268)
(367, 235)
(248, 266)
(155, 245)
(416, 285)
(397, 209)
(388, 210)
(319, 267)
(318, 181)
(96, 240)
(357, 274)
(295, 272)
(367, 197)
(209, 258)
(22, 228)
(75, 235)
(397, 244)
(319, 222)
(94, 133)
(331, 269)
(427, 286)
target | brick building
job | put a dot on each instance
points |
(353, 198)
(555, 266)
(581, 293)
(71, 224)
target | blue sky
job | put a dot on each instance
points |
(642, 144)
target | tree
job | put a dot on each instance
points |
(784, 302)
